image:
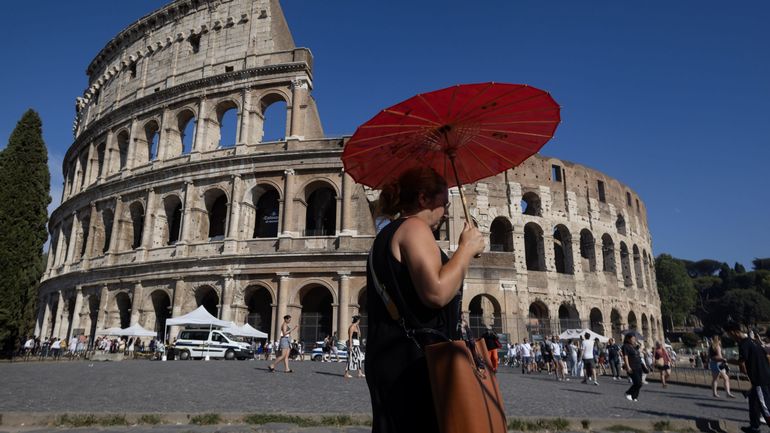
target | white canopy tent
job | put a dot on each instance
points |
(109, 331)
(244, 331)
(253, 332)
(576, 334)
(198, 317)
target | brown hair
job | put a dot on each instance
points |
(404, 193)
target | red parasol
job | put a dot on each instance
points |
(474, 130)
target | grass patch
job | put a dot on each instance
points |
(206, 419)
(75, 421)
(623, 428)
(112, 420)
(302, 421)
(337, 420)
(554, 424)
(149, 419)
(661, 426)
(586, 424)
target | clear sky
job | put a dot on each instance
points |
(671, 98)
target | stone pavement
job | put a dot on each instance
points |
(315, 388)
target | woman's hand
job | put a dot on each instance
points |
(472, 239)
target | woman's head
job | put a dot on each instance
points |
(356, 319)
(416, 189)
(630, 338)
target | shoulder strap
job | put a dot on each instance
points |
(380, 289)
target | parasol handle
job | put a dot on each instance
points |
(462, 195)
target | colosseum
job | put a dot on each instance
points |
(176, 197)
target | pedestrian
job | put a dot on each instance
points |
(29, 345)
(753, 362)
(285, 345)
(662, 362)
(526, 357)
(492, 341)
(633, 365)
(613, 357)
(327, 349)
(334, 349)
(354, 349)
(406, 260)
(587, 355)
(56, 348)
(718, 367)
(556, 353)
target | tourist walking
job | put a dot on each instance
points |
(354, 349)
(718, 367)
(556, 353)
(284, 346)
(662, 362)
(613, 357)
(525, 350)
(589, 362)
(56, 349)
(633, 365)
(752, 361)
(407, 261)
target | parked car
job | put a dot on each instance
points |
(199, 343)
(342, 351)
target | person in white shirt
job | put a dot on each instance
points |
(56, 348)
(73, 346)
(558, 363)
(587, 355)
(29, 345)
(526, 357)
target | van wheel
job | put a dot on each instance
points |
(230, 355)
(184, 355)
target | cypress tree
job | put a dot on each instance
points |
(24, 198)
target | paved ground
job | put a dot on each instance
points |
(314, 388)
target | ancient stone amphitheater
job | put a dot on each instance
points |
(174, 197)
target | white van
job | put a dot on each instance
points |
(199, 343)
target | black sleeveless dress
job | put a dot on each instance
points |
(396, 371)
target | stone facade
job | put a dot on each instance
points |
(166, 206)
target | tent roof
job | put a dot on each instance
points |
(244, 331)
(198, 317)
(570, 334)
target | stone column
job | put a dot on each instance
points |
(52, 251)
(347, 204)
(344, 304)
(72, 239)
(78, 307)
(131, 158)
(136, 303)
(233, 226)
(91, 228)
(148, 219)
(228, 289)
(199, 143)
(577, 258)
(164, 133)
(45, 304)
(89, 171)
(57, 314)
(102, 314)
(187, 212)
(283, 302)
(108, 154)
(61, 252)
(288, 203)
(299, 88)
(115, 235)
(176, 306)
(244, 135)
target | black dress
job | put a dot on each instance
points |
(396, 371)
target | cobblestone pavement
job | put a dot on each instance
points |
(314, 388)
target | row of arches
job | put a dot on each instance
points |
(532, 205)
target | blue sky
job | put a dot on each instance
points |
(671, 98)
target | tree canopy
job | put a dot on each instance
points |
(677, 291)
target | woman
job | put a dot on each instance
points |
(426, 286)
(662, 362)
(354, 349)
(718, 367)
(633, 366)
(284, 346)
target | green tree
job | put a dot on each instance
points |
(704, 268)
(24, 198)
(739, 268)
(678, 296)
(742, 305)
(761, 264)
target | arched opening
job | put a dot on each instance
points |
(620, 225)
(208, 297)
(54, 306)
(484, 313)
(645, 327)
(216, 213)
(274, 119)
(172, 206)
(632, 321)
(83, 166)
(562, 250)
(588, 250)
(608, 254)
(260, 311)
(93, 316)
(137, 224)
(100, 151)
(85, 225)
(123, 143)
(530, 204)
(596, 321)
(152, 135)
(569, 318)
(70, 315)
(123, 302)
(501, 235)
(625, 265)
(321, 216)
(316, 321)
(539, 321)
(653, 327)
(107, 220)
(227, 119)
(646, 259)
(161, 305)
(266, 212)
(186, 125)
(638, 267)
(616, 325)
(533, 247)
(363, 323)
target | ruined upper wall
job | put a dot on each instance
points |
(185, 41)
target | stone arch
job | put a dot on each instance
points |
(93, 315)
(262, 211)
(596, 321)
(321, 210)
(653, 326)
(273, 117)
(531, 204)
(85, 232)
(124, 142)
(632, 324)
(123, 306)
(227, 114)
(501, 235)
(620, 225)
(83, 164)
(152, 136)
(208, 297)
(484, 311)
(107, 220)
(182, 140)
(161, 308)
(625, 265)
(259, 306)
(588, 250)
(317, 313)
(646, 260)
(136, 227)
(214, 220)
(569, 318)
(562, 250)
(608, 254)
(645, 327)
(101, 151)
(172, 207)
(638, 267)
(539, 320)
(617, 324)
(534, 250)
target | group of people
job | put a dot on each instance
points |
(54, 348)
